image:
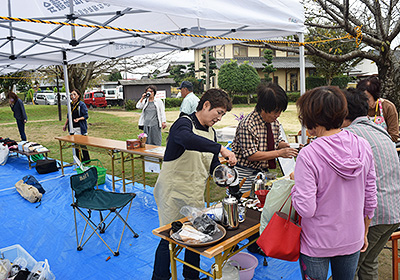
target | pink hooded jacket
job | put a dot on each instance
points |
(334, 190)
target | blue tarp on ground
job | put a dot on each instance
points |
(48, 232)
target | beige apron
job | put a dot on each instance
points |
(182, 182)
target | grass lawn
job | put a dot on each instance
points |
(43, 125)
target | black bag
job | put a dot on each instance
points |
(44, 166)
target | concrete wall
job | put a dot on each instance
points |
(135, 92)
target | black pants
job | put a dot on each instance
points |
(85, 154)
(162, 263)
(21, 129)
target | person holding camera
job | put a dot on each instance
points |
(153, 116)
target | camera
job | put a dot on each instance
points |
(148, 94)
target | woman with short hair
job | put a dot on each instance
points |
(153, 117)
(17, 106)
(79, 113)
(381, 111)
(335, 188)
(190, 156)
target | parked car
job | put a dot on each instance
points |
(63, 98)
(95, 99)
(44, 98)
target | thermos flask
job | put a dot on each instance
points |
(230, 212)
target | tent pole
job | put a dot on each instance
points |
(302, 81)
(66, 83)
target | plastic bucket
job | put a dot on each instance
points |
(101, 171)
(247, 263)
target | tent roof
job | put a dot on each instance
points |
(27, 45)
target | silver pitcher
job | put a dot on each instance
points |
(230, 219)
(259, 183)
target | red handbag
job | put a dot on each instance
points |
(281, 237)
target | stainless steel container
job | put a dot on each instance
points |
(230, 213)
(259, 183)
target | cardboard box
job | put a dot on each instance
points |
(132, 144)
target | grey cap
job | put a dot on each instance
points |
(186, 84)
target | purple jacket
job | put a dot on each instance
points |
(334, 190)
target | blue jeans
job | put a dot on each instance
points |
(343, 267)
(21, 129)
(162, 262)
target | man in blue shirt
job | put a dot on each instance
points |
(190, 100)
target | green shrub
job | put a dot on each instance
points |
(341, 82)
(315, 81)
(130, 105)
(239, 99)
(293, 96)
(173, 102)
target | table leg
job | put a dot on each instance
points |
(395, 260)
(61, 158)
(218, 266)
(123, 171)
(174, 274)
(144, 173)
(133, 169)
(113, 171)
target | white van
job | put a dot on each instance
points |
(63, 98)
(45, 98)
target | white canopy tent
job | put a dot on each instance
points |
(28, 45)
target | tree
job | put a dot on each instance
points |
(326, 68)
(212, 65)
(191, 70)
(249, 80)
(380, 24)
(228, 76)
(115, 76)
(268, 67)
(20, 79)
(238, 79)
(176, 72)
(80, 75)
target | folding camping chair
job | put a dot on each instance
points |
(85, 196)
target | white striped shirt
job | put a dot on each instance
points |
(387, 167)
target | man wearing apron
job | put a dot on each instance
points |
(190, 156)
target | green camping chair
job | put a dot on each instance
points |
(85, 196)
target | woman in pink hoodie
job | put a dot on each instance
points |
(335, 189)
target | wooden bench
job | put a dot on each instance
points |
(29, 154)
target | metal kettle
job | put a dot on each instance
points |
(259, 183)
(230, 217)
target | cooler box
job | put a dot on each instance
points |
(101, 171)
(18, 255)
(15, 252)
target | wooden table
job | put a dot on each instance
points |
(29, 154)
(220, 251)
(116, 149)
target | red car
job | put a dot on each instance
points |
(95, 99)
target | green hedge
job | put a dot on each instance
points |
(173, 102)
(314, 81)
(239, 99)
(293, 96)
(341, 82)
